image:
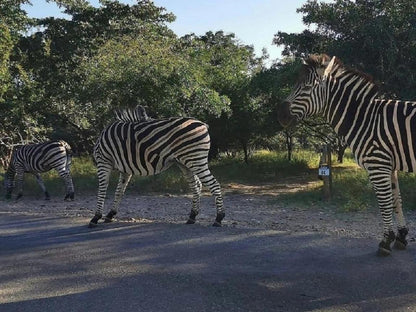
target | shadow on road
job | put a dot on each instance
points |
(58, 264)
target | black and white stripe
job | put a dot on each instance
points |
(380, 133)
(137, 144)
(38, 158)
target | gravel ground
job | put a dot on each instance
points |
(252, 207)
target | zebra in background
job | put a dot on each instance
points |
(137, 144)
(380, 133)
(38, 158)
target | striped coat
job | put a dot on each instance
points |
(138, 145)
(36, 159)
(380, 133)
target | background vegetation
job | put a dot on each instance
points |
(62, 78)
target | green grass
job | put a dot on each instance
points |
(263, 166)
(352, 190)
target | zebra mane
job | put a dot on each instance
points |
(364, 76)
(137, 114)
(317, 60)
(323, 60)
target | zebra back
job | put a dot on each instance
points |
(42, 157)
(147, 148)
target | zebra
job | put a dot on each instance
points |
(38, 158)
(381, 133)
(136, 144)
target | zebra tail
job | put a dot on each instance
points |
(69, 154)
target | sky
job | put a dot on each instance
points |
(254, 22)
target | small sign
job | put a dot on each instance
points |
(323, 171)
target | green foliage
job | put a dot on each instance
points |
(131, 71)
(352, 189)
(13, 17)
(377, 36)
(264, 166)
(63, 79)
(5, 49)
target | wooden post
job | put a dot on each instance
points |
(325, 171)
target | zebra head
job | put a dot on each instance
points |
(308, 95)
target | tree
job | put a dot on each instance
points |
(12, 21)
(376, 36)
(5, 50)
(53, 57)
(227, 67)
(151, 72)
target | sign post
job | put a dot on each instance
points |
(325, 171)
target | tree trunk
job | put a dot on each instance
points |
(341, 151)
(245, 149)
(289, 145)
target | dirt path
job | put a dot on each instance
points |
(247, 206)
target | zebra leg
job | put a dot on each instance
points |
(19, 182)
(400, 242)
(121, 188)
(381, 180)
(66, 176)
(214, 187)
(103, 173)
(42, 185)
(70, 194)
(196, 187)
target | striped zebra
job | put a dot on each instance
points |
(137, 144)
(38, 158)
(380, 133)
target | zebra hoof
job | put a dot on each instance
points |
(94, 221)
(218, 219)
(109, 217)
(400, 245)
(92, 225)
(383, 249)
(69, 197)
(383, 252)
(190, 221)
(217, 224)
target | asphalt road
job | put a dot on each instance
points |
(58, 264)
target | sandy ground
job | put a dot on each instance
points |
(247, 206)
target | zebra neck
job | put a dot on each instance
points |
(350, 103)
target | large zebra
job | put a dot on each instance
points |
(38, 158)
(380, 133)
(137, 144)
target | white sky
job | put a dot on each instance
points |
(254, 22)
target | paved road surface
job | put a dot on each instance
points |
(53, 264)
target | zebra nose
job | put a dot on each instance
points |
(284, 116)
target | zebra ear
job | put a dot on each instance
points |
(329, 66)
(316, 60)
(325, 60)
